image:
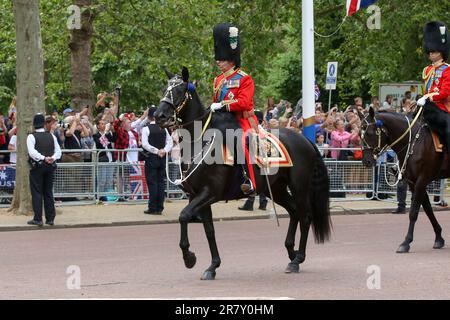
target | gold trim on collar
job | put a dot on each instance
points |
(439, 63)
(229, 72)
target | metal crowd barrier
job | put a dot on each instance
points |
(89, 182)
(385, 182)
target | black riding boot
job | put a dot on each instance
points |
(248, 205)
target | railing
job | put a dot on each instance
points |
(89, 182)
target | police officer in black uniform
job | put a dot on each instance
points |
(43, 151)
(157, 143)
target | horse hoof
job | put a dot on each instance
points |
(404, 248)
(292, 268)
(439, 244)
(208, 275)
(189, 260)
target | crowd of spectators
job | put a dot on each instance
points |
(338, 128)
(99, 131)
(88, 133)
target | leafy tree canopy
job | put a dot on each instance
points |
(133, 40)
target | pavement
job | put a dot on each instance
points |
(128, 213)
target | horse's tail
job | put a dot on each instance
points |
(320, 201)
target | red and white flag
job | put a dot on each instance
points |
(355, 5)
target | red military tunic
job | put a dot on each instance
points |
(437, 85)
(235, 89)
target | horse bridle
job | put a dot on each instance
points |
(380, 129)
(168, 97)
(378, 132)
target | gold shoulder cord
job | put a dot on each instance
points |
(428, 76)
(219, 86)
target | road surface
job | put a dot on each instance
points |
(145, 262)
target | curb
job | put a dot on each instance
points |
(175, 220)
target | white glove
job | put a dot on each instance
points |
(421, 102)
(216, 106)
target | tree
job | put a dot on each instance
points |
(80, 47)
(30, 92)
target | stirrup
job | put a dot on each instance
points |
(247, 188)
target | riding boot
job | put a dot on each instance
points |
(248, 205)
(247, 187)
(262, 201)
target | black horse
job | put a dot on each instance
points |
(420, 162)
(307, 200)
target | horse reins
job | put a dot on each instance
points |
(177, 109)
(379, 150)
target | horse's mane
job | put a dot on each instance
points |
(395, 114)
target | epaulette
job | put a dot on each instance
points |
(242, 73)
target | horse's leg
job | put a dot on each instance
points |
(439, 242)
(305, 223)
(194, 205)
(289, 243)
(208, 225)
(282, 197)
(419, 190)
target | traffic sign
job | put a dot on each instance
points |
(331, 80)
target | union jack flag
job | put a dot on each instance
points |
(355, 5)
(316, 91)
(7, 177)
(138, 183)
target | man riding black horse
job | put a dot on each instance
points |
(234, 90)
(436, 101)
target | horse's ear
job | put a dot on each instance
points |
(169, 74)
(372, 112)
(360, 114)
(185, 74)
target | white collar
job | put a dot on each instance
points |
(40, 130)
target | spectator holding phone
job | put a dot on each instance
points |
(341, 139)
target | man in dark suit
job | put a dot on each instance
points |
(43, 151)
(157, 143)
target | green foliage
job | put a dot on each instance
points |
(134, 39)
(366, 57)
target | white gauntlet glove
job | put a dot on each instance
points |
(216, 106)
(421, 102)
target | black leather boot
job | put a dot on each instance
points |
(248, 205)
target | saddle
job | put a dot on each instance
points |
(438, 146)
(265, 147)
